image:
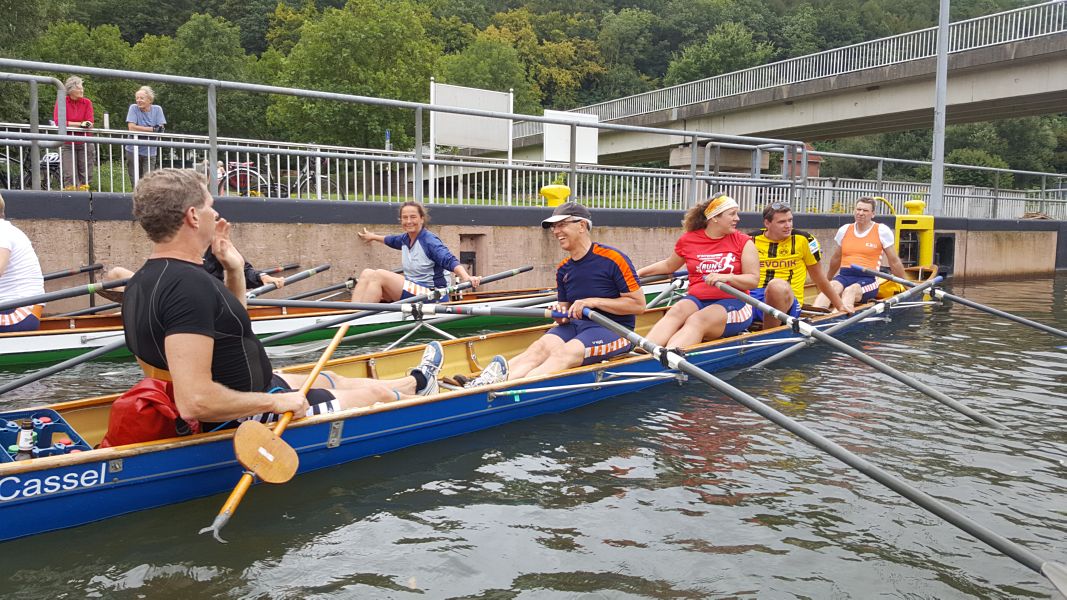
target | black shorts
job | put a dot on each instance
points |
(315, 396)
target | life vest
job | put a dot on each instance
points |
(146, 412)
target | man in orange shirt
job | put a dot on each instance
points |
(861, 243)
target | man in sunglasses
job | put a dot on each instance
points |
(787, 257)
(593, 276)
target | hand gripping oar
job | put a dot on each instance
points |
(72, 362)
(434, 295)
(263, 289)
(878, 308)
(263, 452)
(81, 290)
(808, 330)
(941, 294)
(1056, 573)
(278, 269)
(72, 272)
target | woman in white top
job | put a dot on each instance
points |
(20, 277)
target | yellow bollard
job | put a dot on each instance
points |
(555, 194)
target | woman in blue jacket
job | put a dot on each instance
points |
(425, 260)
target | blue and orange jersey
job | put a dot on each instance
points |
(604, 272)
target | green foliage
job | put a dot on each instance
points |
(283, 29)
(491, 65)
(978, 158)
(74, 43)
(730, 47)
(376, 48)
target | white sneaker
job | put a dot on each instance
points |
(432, 359)
(495, 372)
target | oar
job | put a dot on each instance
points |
(71, 362)
(433, 295)
(263, 289)
(81, 290)
(71, 272)
(263, 452)
(299, 349)
(941, 294)
(808, 330)
(877, 309)
(92, 310)
(1056, 573)
(278, 269)
(322, 290)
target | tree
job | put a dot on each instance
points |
(978, 158)
(375, 48)
(103, 46)
(491, 65)
(283, 29)
(729, 48)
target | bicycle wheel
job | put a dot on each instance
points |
(318, 187)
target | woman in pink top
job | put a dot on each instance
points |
(78, 159)
(713, 250)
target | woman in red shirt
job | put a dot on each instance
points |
(79, 160)
(713, 250)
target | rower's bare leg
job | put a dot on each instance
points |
(850, 295)
(534, 356)
(357, 391)
(378, 285)
(779, 295)
(570, 355)
(671, 322)
(706, 324)
(821, 301)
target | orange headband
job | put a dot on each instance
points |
(719, 206)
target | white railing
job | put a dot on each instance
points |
(1014, 25)
(264, 168)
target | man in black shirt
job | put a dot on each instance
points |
(180, 320)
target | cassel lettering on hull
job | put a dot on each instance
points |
(14, 487)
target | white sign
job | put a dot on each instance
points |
(468, 131)
(557, 138)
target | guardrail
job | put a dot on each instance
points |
(263, 168)
(1010, 26)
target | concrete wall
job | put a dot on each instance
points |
(271, 232)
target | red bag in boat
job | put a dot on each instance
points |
(146, 412)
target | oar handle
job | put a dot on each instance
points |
(278, 269)
(263, 289)
(71, 272)
(81, 290)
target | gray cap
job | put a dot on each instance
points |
(567, 210)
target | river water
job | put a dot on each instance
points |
(672, 493)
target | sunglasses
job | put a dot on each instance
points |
(779, 206)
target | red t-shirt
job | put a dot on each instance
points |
(704, 256)
(77, 110)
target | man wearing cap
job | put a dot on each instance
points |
(593, 276)
(787, 257)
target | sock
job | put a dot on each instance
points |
(420, 380)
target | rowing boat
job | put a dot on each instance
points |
(60, 338)
(68, 489)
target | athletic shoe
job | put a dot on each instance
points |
(495, 372)
(432, 359)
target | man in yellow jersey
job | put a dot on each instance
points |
(787, 257)
(861, 243)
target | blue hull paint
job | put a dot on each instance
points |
(184, 472)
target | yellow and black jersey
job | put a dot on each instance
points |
(787, 259)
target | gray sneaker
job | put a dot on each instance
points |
(432, 359)
(495, 372)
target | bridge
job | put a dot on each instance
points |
(1003, 65)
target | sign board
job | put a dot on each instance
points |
(557, 138)
(468, 131)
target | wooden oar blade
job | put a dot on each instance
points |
(263, 453)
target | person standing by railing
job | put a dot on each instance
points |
(144, 116)
(78, 159)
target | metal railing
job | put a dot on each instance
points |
(264, 168)
(1009, 26)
